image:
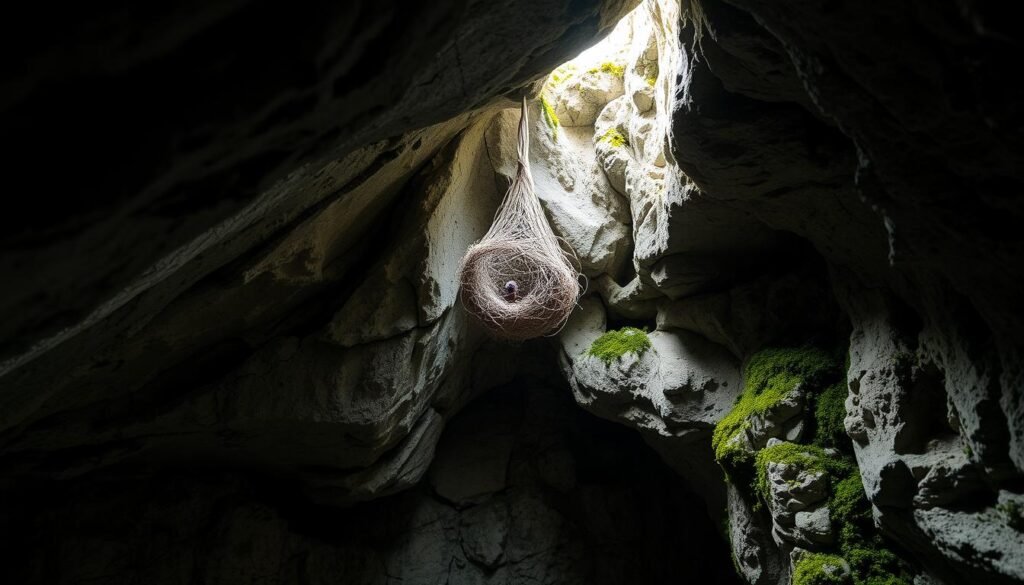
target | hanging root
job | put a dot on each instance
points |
(517, 281)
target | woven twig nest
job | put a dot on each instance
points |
(518, 281)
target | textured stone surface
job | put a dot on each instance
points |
(793, 490)
(814, 526)
(256, 206)
(934, 354)
(673, 393)
(584, 96)
(623, 503)
(254, 273)
(581, 205)
(754, 551)
(680, 387)
(207, 126)
(349, 390)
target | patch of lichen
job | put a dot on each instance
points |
(550, 118)
(820, 569)
(615, 138)
(615, 344)
(609, 67)
(770, 375)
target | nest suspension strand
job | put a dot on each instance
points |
(517, 280)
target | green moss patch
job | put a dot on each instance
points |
(849, 508)
(614, 137)
(770, 376)
(820, 569)
(871, 561)
(829, 413)
(562, 74)
(609, 67)
(550, 118)
(877, 565)
(615, 344)
(783, 368)
(807, 458)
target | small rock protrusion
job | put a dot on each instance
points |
(815, 526)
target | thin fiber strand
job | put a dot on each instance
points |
(520, 248)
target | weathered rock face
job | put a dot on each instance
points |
(298, 310)
(934, 365)
(524, 488)
(811, 208)
(777, 118)
(233, 131)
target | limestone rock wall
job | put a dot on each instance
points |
(199, 133)
(313, 303)
(783, 121)
(510, 497)
(238, 355)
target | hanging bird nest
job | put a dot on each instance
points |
(517, 280)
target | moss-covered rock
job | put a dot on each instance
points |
(820, 569)
(807, 458)
(611, 68)
(871, 561)
(849, 505)
(859, 556)
(614, 137)
(615, 344)
(770, 376)
(550, 118)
